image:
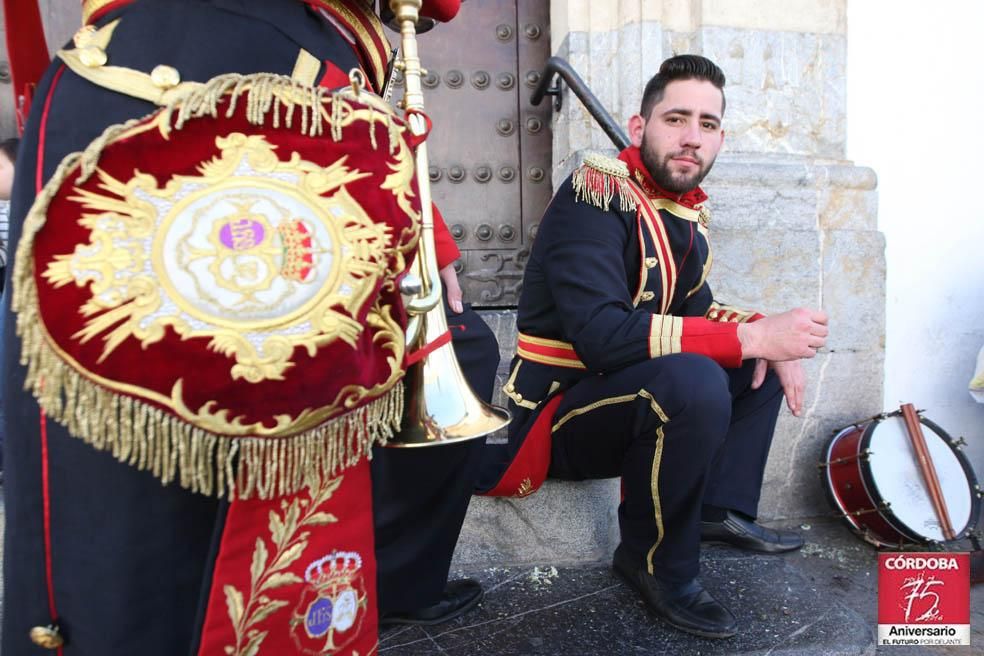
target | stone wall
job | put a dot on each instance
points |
(794, 224)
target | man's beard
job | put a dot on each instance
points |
(658, 166)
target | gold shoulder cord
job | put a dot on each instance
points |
(600, 179)
(163, 85)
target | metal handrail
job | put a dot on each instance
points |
(557, 66)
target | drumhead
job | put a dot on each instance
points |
(893, 472)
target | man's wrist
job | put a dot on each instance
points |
(746, 336)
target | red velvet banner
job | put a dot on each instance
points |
(228, 270)
(297, 575)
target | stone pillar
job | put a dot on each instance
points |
(794, 224)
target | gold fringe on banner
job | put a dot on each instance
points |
(146, 437)
(149, 438)
(600, 179)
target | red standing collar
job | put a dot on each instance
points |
(632, 156)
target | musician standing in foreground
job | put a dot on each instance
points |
(214, 339)
(633, 369)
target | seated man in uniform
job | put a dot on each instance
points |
(633, 369)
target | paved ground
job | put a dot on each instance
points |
(821, 601)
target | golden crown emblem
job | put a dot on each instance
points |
(337, 569)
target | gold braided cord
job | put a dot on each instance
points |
(137, 431)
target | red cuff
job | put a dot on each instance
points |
(718, 341)
(447, 250)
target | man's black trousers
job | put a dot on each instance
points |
(682, 432)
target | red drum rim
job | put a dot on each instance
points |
(873, 494)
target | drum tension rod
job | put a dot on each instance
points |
(870, 538)
(880, 416)
(863, 456)
(958, 443)
(863, 422)
(884, 505)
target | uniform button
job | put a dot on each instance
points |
(47, 637)
(165, 77)
(648, 296)
(519, 398)
(651, 262)
(92, 56)
(509, 388)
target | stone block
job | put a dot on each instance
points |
(854, 289)
(785, 89)
(848, 209)
(766, 270)
(562, 523)
(761, 207)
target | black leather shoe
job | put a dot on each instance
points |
(746, 534)
(685, 606)
(459, 597)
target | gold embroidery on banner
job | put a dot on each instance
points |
(654, 490)
(127, 296)
(268, 573)
(138, 431)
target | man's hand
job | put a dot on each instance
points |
(788, 336)
(791, 377)
(450, 280)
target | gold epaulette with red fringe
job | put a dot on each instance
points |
(600, 179)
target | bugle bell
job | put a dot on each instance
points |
(440, 406)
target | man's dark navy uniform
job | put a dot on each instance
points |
(627, 366)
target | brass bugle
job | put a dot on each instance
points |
(440, 407)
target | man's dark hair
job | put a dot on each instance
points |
(681, 67)
(9, 148)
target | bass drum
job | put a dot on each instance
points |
(872, 478)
